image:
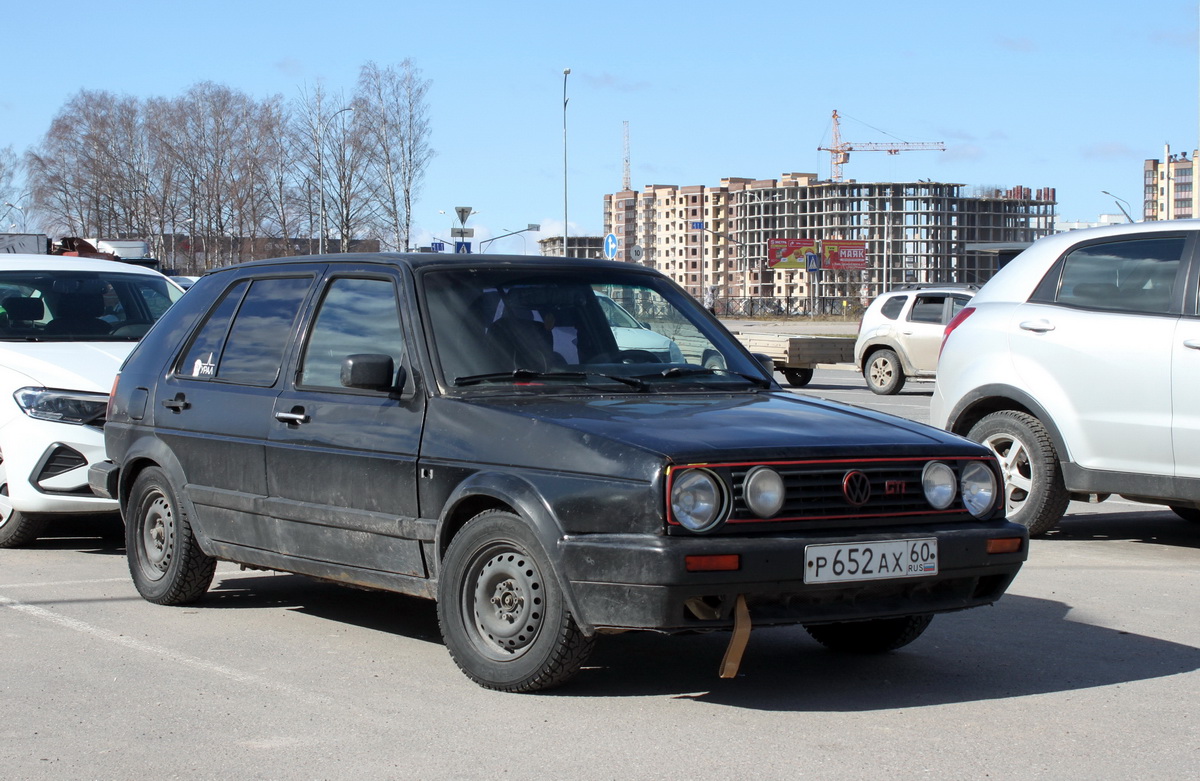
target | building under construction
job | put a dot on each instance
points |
(720, 243)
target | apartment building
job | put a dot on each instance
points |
(717, 241)
(1168, 187)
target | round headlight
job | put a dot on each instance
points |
(978, 487)
(939, 484)
(763, 491)
(698, 500)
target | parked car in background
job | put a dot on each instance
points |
(65, 327)
(1078, 364)
(473, 429)
(632, 334)
(901, 331)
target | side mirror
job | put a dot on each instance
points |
(370, 371)
(766, 361)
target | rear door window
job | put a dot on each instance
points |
(243, 338)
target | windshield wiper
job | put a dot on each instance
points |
(691, 371)
(531, 374)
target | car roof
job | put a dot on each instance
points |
(425, 260)
(30, 262)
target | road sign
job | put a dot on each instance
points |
(697, 226)
(610, 246)
(463, 213)
(812, 261)
(437, 246)
(636, 253)
(462, 233)
(462, 248)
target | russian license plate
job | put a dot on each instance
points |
(878, 560)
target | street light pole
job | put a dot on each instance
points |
(566, 73)
(1119, 206)
(12, 206)
(321, 173)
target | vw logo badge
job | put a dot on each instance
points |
(856, 487)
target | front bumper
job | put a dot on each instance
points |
(46, 466)
(638, 582)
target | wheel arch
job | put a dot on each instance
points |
(985, 400)
(485, 491)
(875, 346)
(155, 453)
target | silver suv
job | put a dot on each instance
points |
(899, 334)
(1077, 364)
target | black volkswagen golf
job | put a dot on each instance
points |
(477, 431)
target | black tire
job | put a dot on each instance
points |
(797, 377)
(1186, 513)
(884, 373)
(1034, 493)
(501, 610)
(879, 635)
(166, 563)
(16, 528)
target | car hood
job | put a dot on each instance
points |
(636, 435)
(81, 366)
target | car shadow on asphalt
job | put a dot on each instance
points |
(1159, 528)
(1019, 647)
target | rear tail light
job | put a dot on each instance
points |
(958, 320)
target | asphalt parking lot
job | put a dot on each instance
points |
(1087, 669)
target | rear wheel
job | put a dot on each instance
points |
(16, 528)
(1034, 493)
(876, 636)
(797, 377)
(883, 373)
(166, 563)
(501, 611)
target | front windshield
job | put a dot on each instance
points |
(589, 327)
(53, 305)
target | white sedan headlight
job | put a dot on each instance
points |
(59, 406)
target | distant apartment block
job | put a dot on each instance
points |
(1168, 187)
(577, 247)
(716, 241)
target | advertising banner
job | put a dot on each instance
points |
(845, 254)
(789, 253)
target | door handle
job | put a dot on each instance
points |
(1037, 326)
(1192, 344)
(293, 418)
(177, 404)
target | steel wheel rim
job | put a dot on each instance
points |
(503, 602)
(156, 538)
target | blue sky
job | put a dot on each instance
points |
(1043, 94)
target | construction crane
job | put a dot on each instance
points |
(839, 150)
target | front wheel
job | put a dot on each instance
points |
(884, 373)
(876, 636)
(166, 563)
(16, 528)
(1034, 493)
(501, 611)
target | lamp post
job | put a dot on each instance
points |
(566, 73)
(321, 173)
(1119, 202)
(12, 206)
(532, 227)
